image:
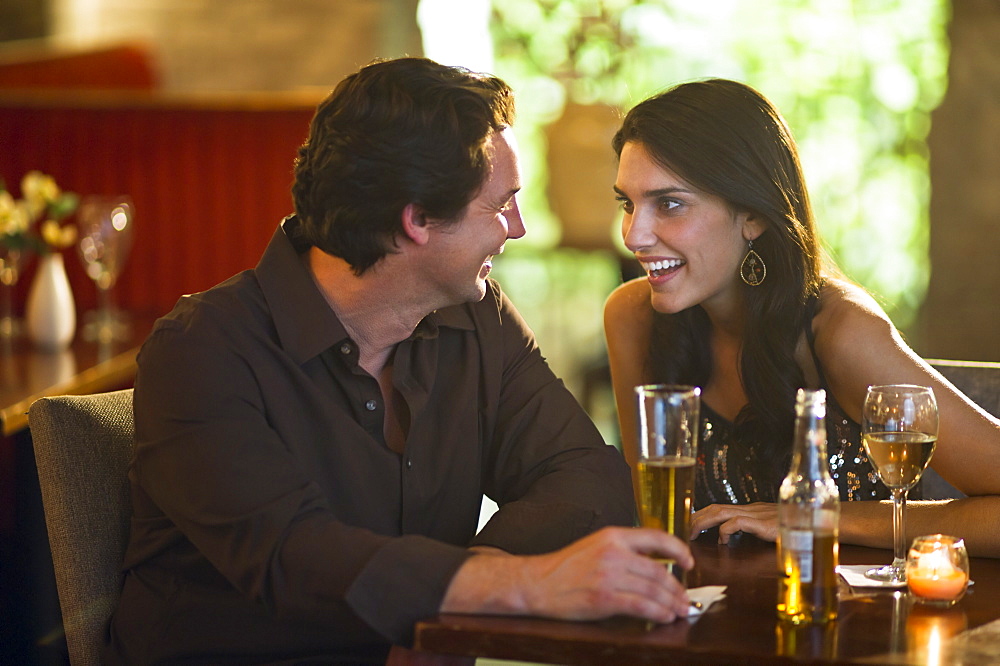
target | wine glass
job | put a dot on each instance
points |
(899, 428)
(11, 261)
(105, 226)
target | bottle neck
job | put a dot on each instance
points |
(809, 450)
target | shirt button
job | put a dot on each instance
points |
(409, 463)
(371, 405)
(345, 348)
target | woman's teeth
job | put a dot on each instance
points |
(655, 268)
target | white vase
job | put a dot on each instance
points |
(50, 314)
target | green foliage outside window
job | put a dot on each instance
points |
(855, 80)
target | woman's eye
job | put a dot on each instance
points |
(669, 204)
(626, 205)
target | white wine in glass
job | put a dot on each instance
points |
(105, 227)
(899, 428)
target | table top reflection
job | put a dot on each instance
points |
(874, 625)
(27, 373)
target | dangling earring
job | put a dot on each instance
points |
(752, 270)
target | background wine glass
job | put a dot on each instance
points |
(11, 261)
(106, 227)
(899, 428)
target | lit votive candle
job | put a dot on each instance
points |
(937, 569)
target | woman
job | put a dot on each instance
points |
(738, 300)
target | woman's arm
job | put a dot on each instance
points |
(628, 321)
(858, 346)
(975, 519)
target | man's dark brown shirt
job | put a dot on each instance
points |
(271, 522)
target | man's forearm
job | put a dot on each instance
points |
(606, 573)
(489, 582)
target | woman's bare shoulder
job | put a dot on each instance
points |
(851, 329)
(845, 307)
(629, 304)
(633, 293)
(628, 322)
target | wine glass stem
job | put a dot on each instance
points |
(7, 304)
(899, 527)
(104, 304)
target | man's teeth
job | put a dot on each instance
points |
(654, 266)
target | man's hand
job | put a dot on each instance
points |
(759, 519)
(607, 573)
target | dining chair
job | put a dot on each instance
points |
(83, 444)
(980, 381)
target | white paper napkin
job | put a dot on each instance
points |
(706, 596)
(854, 574)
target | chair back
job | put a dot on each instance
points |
(83, 445)
(980, 381)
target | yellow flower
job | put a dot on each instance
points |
(14, 217)
(41, 200)
(39, 190)
(56, 236)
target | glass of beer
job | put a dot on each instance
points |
(668, 447)
(899, 428)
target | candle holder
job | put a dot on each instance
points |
(937, 569)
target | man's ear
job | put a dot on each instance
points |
(416, 225)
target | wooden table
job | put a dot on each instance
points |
(874, 626)
(27, 374)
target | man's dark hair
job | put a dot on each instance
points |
(394, 133)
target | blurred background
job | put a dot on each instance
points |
(195, 109)
(895, 105)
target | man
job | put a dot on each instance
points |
(313, 437)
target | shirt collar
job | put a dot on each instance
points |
(456, 316)
(306, 324)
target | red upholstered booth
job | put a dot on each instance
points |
(209, 174)
(36, 64)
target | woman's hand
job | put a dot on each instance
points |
(759, 519)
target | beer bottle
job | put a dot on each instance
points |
(808, 517)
